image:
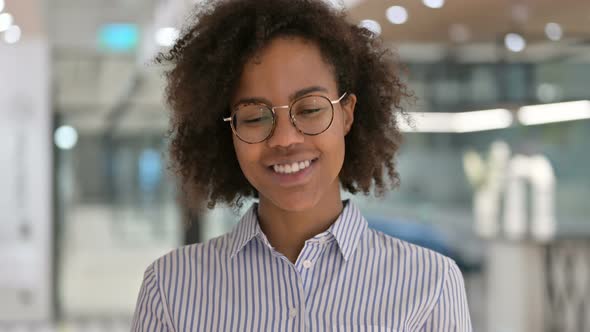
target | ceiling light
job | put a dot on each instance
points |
(557, 112)
(65, 137)
(514, 42)
(553, 31)
(482, 120)
(118, 37)
(429, 122)
(372, 26)
(339, 4)
(5, 21)
(397, 14)
(464, 122)
(12, 35)
(434, 3)
(1, 5)
(166, 37)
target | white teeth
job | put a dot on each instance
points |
(291, 168)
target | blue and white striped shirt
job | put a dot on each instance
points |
(348, 278)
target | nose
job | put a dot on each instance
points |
(285, 134)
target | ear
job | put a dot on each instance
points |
(348, 105)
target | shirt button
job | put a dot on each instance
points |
(307, 264)
(293, 312)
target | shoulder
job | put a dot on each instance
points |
(418, 266)
(425, 274)
(178, 260)
(434, 281)
(398, 249)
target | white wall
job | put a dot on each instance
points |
(25, 181)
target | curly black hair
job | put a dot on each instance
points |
(207, 62)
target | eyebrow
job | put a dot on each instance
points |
(293, 96)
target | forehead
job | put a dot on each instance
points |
(285, 65)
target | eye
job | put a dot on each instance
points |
(253, 114)
(309, 111)
(253, 120)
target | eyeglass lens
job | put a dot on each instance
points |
(311, 115)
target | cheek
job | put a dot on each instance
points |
(248, 156)
(338, 144)
(336, 135)
(332, 145)
(243, 154)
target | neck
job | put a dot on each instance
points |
(287, 231)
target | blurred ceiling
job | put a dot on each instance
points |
(75, 23)
(425, 36)
(94, 84)
(486, 20)
(29, 16)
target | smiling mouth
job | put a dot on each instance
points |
(292, 168)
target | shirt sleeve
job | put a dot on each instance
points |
(450, 312)
(150, 311)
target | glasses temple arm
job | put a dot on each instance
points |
(339, 99)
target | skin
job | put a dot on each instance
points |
(290, 214)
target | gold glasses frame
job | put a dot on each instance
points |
(291, 117)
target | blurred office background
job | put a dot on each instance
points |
(495, 169)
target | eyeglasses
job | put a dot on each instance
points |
(256, 122)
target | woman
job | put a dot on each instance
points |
(285, 101)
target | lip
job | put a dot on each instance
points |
(293, 179)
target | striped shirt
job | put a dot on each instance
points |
(348, 278)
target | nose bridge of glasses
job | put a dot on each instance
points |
(274, 108)
(285, 132)
(286, 115)
(284, 107)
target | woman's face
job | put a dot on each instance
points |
(284, 70)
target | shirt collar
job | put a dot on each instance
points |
(244, 231)
(347, 230)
